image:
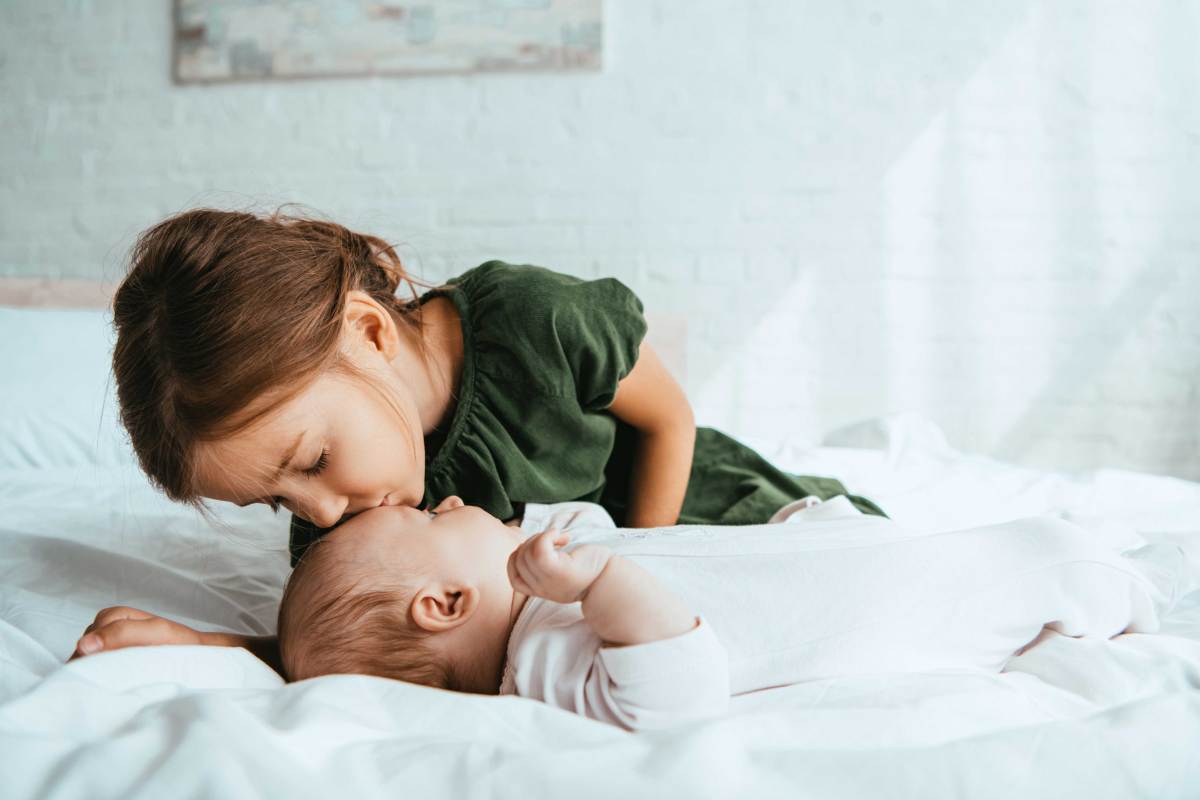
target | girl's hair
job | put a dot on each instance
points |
(223, 308)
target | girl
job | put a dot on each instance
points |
(269, 360)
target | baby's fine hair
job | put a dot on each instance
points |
(222, 308)
(338, 618)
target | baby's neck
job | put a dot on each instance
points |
(481, 668)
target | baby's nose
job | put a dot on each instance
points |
(448, 503)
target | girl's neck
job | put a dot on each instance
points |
(431, 359)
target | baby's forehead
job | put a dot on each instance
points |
(356, 540)
(384, 520)
(370, 539)
(338, 565)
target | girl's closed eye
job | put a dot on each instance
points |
(322, 462)
(319, 466)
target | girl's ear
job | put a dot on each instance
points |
(439, 607)
(366, 324)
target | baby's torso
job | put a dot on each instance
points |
(760, 587)
(799, 602)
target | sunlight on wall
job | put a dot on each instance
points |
(982, 213)
(1029, 252)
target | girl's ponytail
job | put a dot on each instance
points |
(368, 263)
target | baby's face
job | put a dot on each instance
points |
(460, 542)
(452, 565)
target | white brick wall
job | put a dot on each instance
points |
(982, 212)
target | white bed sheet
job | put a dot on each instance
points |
(1070, 718)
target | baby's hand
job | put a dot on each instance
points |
(540, 568)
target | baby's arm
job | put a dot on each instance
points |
(656, 664)
(622, 603)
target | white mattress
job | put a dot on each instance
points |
(1071, 718)
(81, 530)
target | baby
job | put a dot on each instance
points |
(648, 628)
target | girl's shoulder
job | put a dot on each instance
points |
(501, 296)
(499, 280)
(564, 329)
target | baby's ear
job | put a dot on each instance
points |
(438, 607)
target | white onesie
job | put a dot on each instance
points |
(783, 604)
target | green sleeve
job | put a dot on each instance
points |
(600, 326)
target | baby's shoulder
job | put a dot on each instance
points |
(569, 516)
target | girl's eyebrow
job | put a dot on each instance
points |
(283, 464)
(288, 456)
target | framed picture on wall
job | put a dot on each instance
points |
(226, 40)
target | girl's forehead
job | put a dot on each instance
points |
(272, 435)
(275, 410)
(249, 459)
(224, 473)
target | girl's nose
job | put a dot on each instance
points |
(329, 512)
(449, 503)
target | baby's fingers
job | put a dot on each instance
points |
(531, 568)
(545, 548)
(523, 574)
(514, 575)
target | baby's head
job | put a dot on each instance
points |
(401, 593)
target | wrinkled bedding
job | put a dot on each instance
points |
(1068, 718)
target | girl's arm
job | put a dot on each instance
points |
(122, 626)
(651, 401)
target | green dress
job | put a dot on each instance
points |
(542, 355)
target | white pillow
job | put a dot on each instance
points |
(57, 405)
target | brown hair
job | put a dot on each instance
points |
(337, 619)
(223, 308)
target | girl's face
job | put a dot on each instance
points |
(335, 449)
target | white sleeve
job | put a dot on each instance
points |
(554, 656)
(659, 684)
(540, 517)
(811, 509)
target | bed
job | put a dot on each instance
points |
(82, 529)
